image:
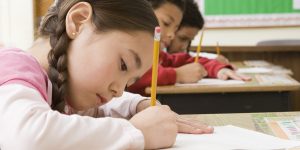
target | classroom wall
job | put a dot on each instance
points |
(246, 36)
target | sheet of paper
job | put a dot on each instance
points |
(231, 137)
(256, 63)
(280, 70)
(204, 54)
(273, 79)
(253, 70)
(212, 82)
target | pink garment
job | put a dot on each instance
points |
(28, 122)
(16, 66)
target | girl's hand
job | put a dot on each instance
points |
(145, 104)
(193, 127)
(226, 74)
(158, 125)
(190, 73)
(184, 126)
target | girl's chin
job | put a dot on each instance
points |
(83, 108)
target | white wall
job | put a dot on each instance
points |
(16, 23)
(246, 36)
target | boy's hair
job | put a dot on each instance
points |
(158, 3)
(122, 15)
(192, 16)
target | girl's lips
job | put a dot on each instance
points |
(101, 100)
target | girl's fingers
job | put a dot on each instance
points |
(184, 128)
(189, 126)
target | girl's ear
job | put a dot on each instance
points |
(78, 15)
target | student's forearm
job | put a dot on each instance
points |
(27, 122)
(123, 107)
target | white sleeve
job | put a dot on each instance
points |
(122, 107)
(27, 122)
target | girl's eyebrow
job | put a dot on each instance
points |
(137, 59)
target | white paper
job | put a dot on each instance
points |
(212, 82)
(253, 70)
(204, 54)
(296, 4)
(231, 137)
(256, 63)
(273, 79)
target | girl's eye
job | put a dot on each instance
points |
(166, 24)
(123, 65)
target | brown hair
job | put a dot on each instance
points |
(158, 3)
(123, 15)
(192, 16)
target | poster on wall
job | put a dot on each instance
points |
(250, 13)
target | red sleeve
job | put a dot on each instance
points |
(173, 60)
(212, 66)
(165, 76)
(167, 73)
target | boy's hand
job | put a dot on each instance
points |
(226, 74)
(222, 59)
(190, 73)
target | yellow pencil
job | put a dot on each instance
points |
(218, 49)
(199, 47)
(155, 65)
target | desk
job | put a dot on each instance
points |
(287, 56)
(243, 120)
(241, 98)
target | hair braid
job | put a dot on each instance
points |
(57, 58)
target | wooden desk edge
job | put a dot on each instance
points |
(224, 89)
(254, 48)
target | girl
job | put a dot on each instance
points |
(179, 67)
(90, 49)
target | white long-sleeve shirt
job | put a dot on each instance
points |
(27, 121)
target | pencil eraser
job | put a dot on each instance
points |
(157, 29)
(157, 34)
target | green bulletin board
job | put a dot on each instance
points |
(248, 13)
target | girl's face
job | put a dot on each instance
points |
(169, 17)
(101, 65)
(182, 39)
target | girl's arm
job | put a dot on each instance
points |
(27, 122)
(125, 107)
(122, 107)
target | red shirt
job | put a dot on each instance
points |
(166, 70)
